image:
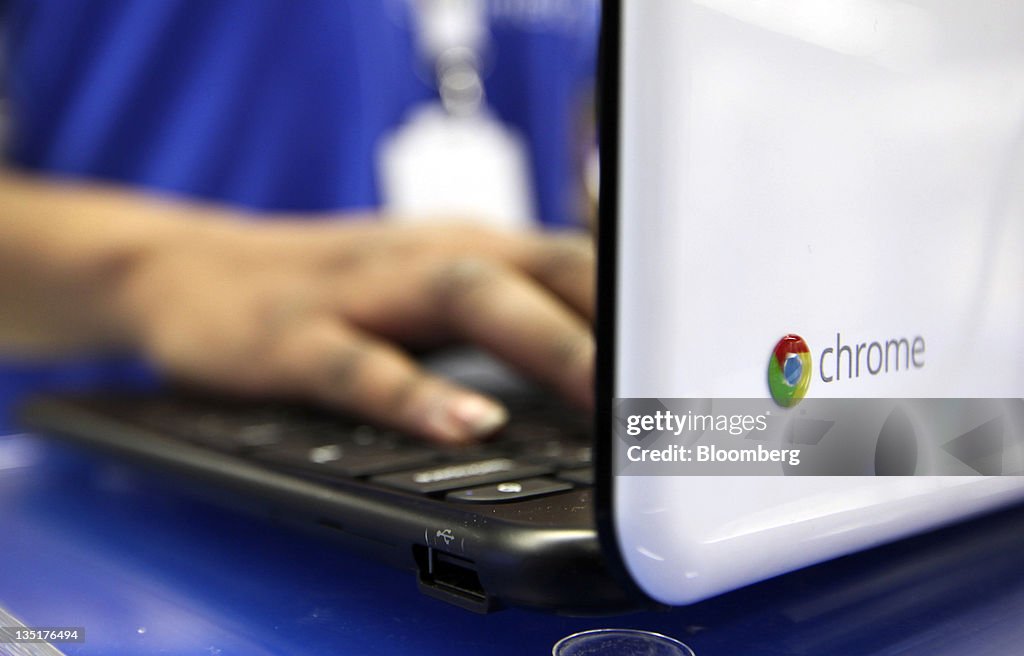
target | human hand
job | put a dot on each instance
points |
(320, 310)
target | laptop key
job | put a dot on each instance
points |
(509, 491)
(527, 432)
(259, 435)
(346, 460)
(452, 476)
(563, 455)
(579, 476)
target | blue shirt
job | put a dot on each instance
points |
(270, 105)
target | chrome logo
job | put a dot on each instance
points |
(789, 370)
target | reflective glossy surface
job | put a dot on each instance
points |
(849, 171)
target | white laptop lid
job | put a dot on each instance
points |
(850, 171)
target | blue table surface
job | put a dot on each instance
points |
(147, 569)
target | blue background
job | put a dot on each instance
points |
(267, 105)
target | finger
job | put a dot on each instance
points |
(565, 264)
(349, 370)
(512, 316)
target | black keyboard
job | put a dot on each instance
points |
(545, 448)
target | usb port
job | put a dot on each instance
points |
(452, 579)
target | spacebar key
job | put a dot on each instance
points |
(441, 478)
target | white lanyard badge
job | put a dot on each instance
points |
(453, 160)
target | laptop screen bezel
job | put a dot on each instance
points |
(608, 116)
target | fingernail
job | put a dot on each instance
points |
(461, 417)
(476, 415)
(480, 416)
